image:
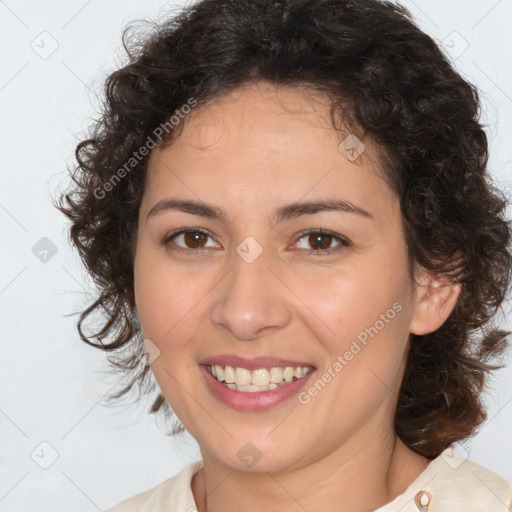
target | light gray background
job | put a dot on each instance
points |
(51, 381)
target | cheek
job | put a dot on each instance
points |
(365, 345)
(166, 298)
(167, 309)
(161, 297)
(367, 311)
(344, 303)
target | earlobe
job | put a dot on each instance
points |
(434, 300)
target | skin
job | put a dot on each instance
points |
(249, 153)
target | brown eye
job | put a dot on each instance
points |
(194, 239)
(189, 239)
(320, 241)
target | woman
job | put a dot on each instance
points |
(286, 205)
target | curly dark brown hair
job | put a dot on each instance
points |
(389, 81)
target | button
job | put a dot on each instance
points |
(423, 500)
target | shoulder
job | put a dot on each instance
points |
(452, 483)
(462, 484)
(175, 491)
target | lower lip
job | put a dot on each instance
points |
(253, 401)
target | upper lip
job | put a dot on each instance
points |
(253, 363)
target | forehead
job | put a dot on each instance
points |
(263, 141)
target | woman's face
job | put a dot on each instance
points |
(253, 178)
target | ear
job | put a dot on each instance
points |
(434, 298)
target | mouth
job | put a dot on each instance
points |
(258, 380)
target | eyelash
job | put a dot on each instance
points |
(343, 243)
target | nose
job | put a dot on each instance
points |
(250, 301)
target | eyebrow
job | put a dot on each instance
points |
(287, 212)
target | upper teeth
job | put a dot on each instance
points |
(259, 377)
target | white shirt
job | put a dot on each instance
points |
(450, 483)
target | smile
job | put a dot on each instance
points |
(257, 389)
(258, 380)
